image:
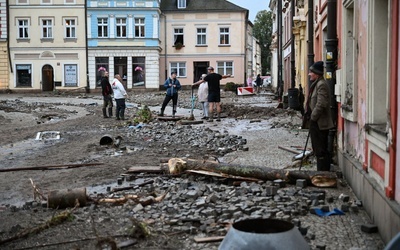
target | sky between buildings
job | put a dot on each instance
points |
(254, 6)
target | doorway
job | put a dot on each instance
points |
(47, 78)
(121, 68)
(199, 69)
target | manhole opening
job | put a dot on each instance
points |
(263, 226)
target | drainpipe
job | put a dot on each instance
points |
(87, 52)
(331, 43)
(394, 78)
(310, 36)
(8, 41)
(280, 83)
(292, 53)
(165, 47)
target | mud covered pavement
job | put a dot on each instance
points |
(157, 210)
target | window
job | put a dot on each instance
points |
(47, 28)
(138, 69)
(225, 68)
(71, 75)
(349, 82)
(69, 1)
(70, 28)
(22, 1)
(181, 4)
(102, 27)
(224, 36)
(24, 75)
(179, 68)
(23, 28)
(101, 66)
(178, 36)
(46, 2)
(201, 36)
(121, 27)
(139, 27)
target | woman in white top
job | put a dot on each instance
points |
(203, 95)
(119, 96)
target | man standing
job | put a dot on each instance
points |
(119, 95)
(106, 91)
(319, 114)
(214, 92)
(172, 85)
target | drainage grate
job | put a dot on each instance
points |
(48, 135)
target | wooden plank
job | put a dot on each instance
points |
(290, 150)
(145, 169)
(208, 239)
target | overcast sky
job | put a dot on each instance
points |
(254, 6)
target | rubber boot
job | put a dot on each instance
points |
(323, 164)
(110, 113)
(122, 114)
(161, 112)
(105, 113)
(174, 111)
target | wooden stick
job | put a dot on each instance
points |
(290, 150)
(51, 167)
(36, 191)
(116, 189)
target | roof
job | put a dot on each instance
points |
(199, 5)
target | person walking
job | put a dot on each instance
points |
(214, 93)
(318, 112)
(119, 96)
(106, 91)
(203, 97)
(173, 86)
(258, 83)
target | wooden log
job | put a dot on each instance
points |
(177, 165)
(51, 167)
(64, 198)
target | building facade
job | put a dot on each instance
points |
(47, 45)
(4, 63)
(198, 34)
(123, 38)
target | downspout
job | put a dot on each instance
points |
(165, 47)
(331, 43)
(292, 52)
(246, 48)
(87, 52)
(280, 84)
(8, 41)
(394, 77)
(310, 36)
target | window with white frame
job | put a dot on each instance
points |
(102, 27)
(224, 36)
(121, 27)
(179, 68)
(378, 84)
(23, 28)
(139, 27)
(225, 68)
(178, 36)
(23, 75)
(349, 75)
(181, 4)
(70, 27)
(201, 36)
(47, 28)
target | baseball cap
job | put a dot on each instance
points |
(210, 68)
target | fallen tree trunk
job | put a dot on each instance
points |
(64, 198)
(321, 178)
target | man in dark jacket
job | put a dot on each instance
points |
(172, 85)
(106, 91)
(319, 114)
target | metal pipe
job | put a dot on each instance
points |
(292, 52)
(331, 43)
(280, 83)
(87, 51)
(310, 36)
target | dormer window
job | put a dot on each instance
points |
(181, 4)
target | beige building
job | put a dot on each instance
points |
(198, 34)
(47, 45)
